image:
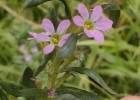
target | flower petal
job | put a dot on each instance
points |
(82, 9)
(88, 33)
(48, 26)
(48, 49)
(22, 49)
(96, 13)
(42, 37)
(63, 26)
(79, 21)
(63, 39)
(33, 34)
(27, 57)
(98, 36)
(103, 24)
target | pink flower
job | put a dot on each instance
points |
(27, 57)
(36, 36)
(51, 93)
(54, 38)
(22, 49)
(93, 23)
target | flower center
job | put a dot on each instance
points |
(55, 39)
(89, 25)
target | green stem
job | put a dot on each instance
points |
(65, 76)
(56, 65)
(67, 62)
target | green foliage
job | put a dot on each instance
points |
(43, 64)
(92, 75)
(116, 60)
(26, 78)
(68, 48)
(114, 12)
(32, 3)
(53, 18)
(3, 96)
(78, 93)
(68, 8)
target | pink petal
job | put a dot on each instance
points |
(48, 26)
(63, 26)
(82, 9)
(48, 49)
(22, 48)
(34, 50)
(88, 32)
(33, 34)
(27, 57)
(97, 35)
(63, 39)
(42, 37)
(96, 13)
(79, 21)
(103, 24)
(30, 38)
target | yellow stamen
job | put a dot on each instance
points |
(89, 25)
(55, 39)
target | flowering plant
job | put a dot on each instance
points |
(58, 45)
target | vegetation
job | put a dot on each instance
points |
(117, 60)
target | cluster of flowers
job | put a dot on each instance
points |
(92, 23)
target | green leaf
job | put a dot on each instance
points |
(77, 93)
(43, 64)
(110, 6)
(114, 16)
(66, 97)
(26, 78)
(3, 96)
(68, 48)
(32, 3)
(36, 93)
(92, 75)
(12, 88)
(114, 12)
(68, 8)
(53, 18)
(20, 91)
(92, 1)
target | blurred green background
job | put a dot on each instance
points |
(117, 60)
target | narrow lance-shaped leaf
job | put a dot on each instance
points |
(114, 12)
(68, 48)
(114, 16)
(32, 3)
(92, 75)
(110, 6)
(53, 18)
(43, 64)
(66, 97)
(68, 8)
(26, 78)
(12, 88)
(3, 96)
(78, 93)
(20, 91)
